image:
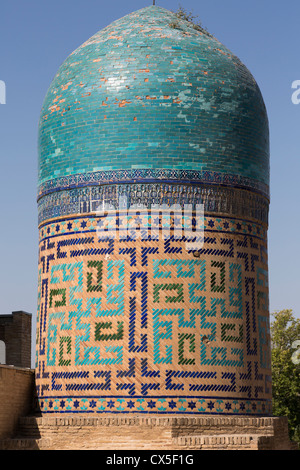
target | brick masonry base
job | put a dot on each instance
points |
(150, 433)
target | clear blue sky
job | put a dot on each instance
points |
(36, 36)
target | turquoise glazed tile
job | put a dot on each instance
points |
(140, 94)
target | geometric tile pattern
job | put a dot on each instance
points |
(90, 224)
(146, 326)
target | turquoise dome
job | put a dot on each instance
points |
(149, 92)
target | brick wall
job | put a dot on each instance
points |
(16, 393)
(15, 331)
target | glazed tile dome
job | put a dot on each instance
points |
(143, 94)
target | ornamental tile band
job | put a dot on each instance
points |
(152, 176)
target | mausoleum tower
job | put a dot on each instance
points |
(152, 115)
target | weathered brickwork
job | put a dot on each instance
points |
(115, 432)
(16, 397)
(15, 332)
(134, 323)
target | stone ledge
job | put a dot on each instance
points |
(117, 420)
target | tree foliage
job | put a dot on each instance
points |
(285, 333)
